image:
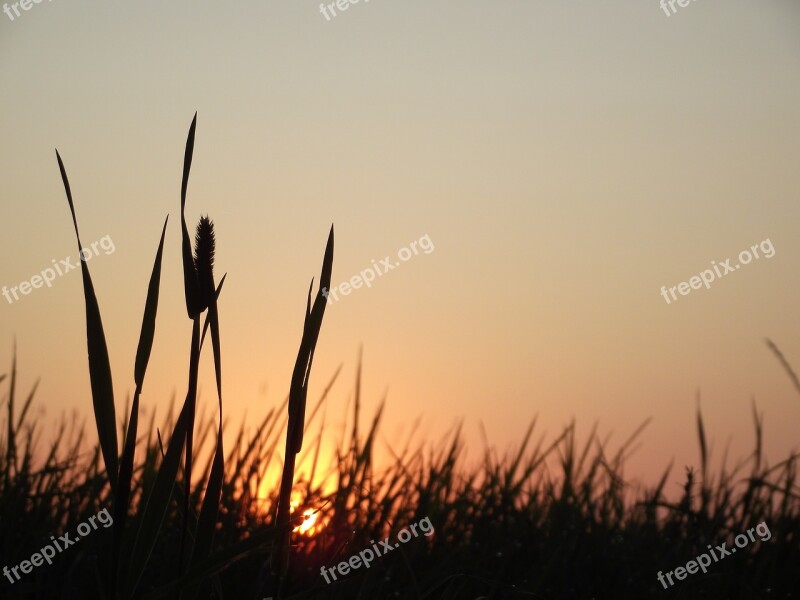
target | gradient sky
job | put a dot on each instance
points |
(567, 159)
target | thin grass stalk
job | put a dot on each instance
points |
(143, 352)
(784, 363)
(209, 511)
(297, 407)
(11, 448)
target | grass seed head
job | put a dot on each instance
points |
(204, 246)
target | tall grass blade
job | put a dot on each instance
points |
(149, 319)
(298, 392)
(11, 457)
(190, 285)
(701, 434)
(99, 366)
(140, 368)
(308, 344)
(24, 412)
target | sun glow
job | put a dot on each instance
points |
(312, 523)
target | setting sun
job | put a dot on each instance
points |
(312, 523)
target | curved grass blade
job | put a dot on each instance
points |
(784, 363)
(149, 319)
(27, 404)
(99, 366)
(191, 287)
(129, 451)
(308, 344)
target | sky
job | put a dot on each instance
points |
(563, 160)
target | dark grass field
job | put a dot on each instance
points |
(553, 520)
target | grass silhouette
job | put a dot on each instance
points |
(552, 520)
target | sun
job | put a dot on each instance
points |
(312, 523)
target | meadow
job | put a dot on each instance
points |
(556, 518)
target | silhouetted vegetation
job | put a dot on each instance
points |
(554, 519)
